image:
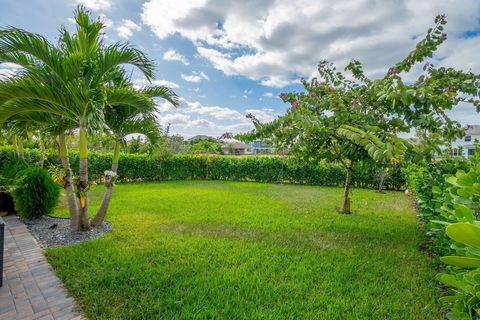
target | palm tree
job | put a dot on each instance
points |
(122, 122)
(72, 80)
(56, 126)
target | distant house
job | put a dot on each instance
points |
(465, 146)
(236, 147)
(260, 147)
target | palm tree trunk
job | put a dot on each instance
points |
(68, 181)
(21, 150)
(102, 211)
(41, 159)
(15, 146)
(346, 193)
(82, 185)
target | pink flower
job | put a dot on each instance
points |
(312, 94)
(354, 104)
(294, 104)
(443, 36)
(283, 95)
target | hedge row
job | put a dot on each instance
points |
(142, 167)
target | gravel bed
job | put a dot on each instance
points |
(54, 232)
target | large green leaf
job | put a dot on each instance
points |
(463, 262)
(466, 233)
(465, 213)
(448, 279)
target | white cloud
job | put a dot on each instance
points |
(126, 29)
(108, 22)
(96, 5)
(192, 117)
(195, 77)
(204, 76)
(268, 94)
(202, 123)
(143, 82)
(277, 42)
(173, 55)
(263, 115)
(191, 78)
(174, 118)
(8, 69)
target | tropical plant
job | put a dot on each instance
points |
(122, 122)
(464, 279)
(74, 80)
(347, 121)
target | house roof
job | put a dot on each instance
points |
(236, 145)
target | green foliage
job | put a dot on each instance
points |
(465, 283)
(35, 193)
(346, 120)
(206, 147)
(143, 167)
(428, 183)
(448, 193)
(10, 169)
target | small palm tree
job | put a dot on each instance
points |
(123, 121)
(74, 80)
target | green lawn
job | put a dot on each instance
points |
(226, 250)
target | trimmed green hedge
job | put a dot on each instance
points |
(142, 167)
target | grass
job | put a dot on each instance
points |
(227, 250)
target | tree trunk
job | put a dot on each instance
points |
(41, 159)
(68, 182)
(21, 150)
(82, 184)
(346, 194)
(102, 211)
(15, 146)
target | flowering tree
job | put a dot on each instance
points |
(347, 120)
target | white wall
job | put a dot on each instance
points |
(465, 145)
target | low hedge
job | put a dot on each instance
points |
(143, 167)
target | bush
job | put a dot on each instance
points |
(273, 169)
(448, 194)
(35, 193)
(10, 169)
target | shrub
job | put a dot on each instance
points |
(10, 169)
(35, 193)
(448, 194)
(273, 169)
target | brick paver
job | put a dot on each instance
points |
(30, 288)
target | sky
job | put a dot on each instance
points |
(227, 58)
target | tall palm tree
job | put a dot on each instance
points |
(72, 80)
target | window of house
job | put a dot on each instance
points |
(454, 152)
(471, 152)
(468, 138)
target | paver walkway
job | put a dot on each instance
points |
(30, 288)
